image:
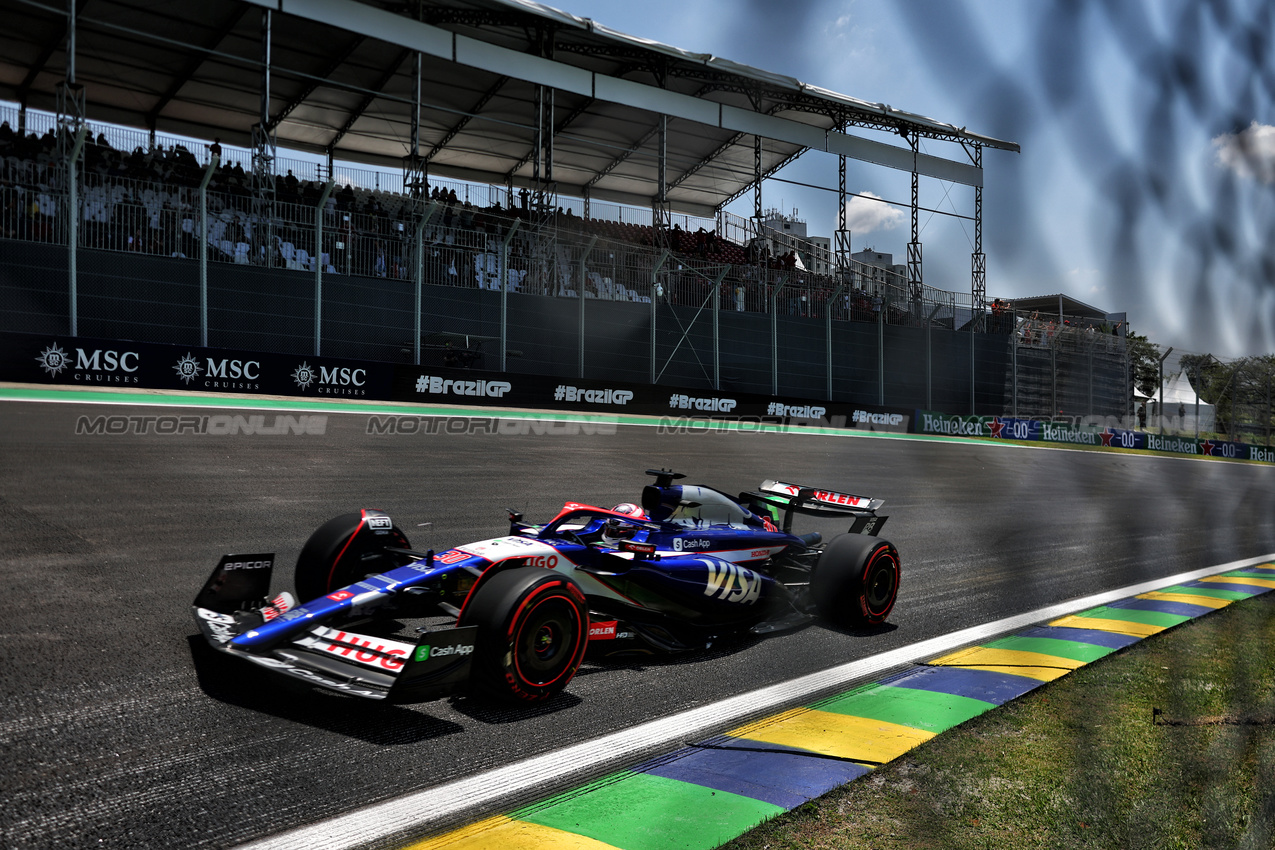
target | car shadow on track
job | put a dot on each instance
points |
(863, 631)
(493, 712)
(244, 685)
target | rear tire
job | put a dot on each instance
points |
(533, 629)
(343, 550)
(856, 580)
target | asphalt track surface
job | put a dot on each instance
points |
(112, 736)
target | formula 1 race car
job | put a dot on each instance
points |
(512, 617)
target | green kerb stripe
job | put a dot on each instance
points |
(1129, 615)
(639, 811)
(1074, 650)
(1232, 595)
(928, 710)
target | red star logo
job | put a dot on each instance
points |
(1106, 435)
(1207, 446)
(997, 426)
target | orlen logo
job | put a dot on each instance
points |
(838, 498)
(340, 595)
(602, 631)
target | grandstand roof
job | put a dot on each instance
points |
(342, 75)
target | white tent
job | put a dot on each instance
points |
(1179, 405)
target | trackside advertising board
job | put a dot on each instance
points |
(96, 363)
(60, 360)
(1032, 430)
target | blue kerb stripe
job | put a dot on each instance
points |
(986, 685)
(781, 779)
(1163, 606)
(1089, 636)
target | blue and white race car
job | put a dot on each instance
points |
(514, 616)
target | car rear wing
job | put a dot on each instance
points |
(775, 496)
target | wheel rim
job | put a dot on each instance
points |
(879, 592)
(542, 647)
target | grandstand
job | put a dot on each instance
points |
(534, 158)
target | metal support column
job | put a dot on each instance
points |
(717, 333)
(774, 336)
(504, 289)
(841, 242)
(318, 265)
(827, 333)
(542, 195)
(582, 279)
(418, 278)
(71, 132)
(881, 355)
(415, 180)
(661, 215)
(656, 292)
(213, 163)
(757, 182)
(915, 278)
(263, 160)
(978, 262)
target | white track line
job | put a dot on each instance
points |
(483, 793)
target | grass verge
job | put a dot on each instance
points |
(1080, 763)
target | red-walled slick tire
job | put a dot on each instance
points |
(346, 549)
(533, 629)
(856, 580)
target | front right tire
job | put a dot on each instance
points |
(533, 629)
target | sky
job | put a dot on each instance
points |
(1146, 181)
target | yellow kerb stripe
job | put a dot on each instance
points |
(832, 734)
(501, 833)
(1260, 582)
(1033, 665)
(1120, 627)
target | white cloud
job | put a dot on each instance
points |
(1249, 153)
(868, 213)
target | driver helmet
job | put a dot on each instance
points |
(629, 509)
(614, 530)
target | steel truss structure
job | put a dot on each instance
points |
(505, 92)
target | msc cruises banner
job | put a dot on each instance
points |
(86, 362)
